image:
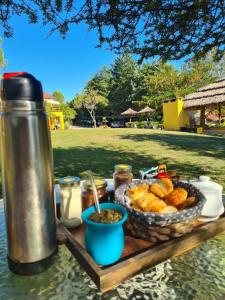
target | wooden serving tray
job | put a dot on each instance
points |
(138, 254)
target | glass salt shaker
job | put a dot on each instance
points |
(70, 201)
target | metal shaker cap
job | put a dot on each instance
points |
(21, 86)
(69, 181)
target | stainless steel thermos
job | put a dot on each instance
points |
(27, 173)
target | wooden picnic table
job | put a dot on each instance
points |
(138, 254)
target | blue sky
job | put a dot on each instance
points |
(60, 64)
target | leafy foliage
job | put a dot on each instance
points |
(123, 83)
(197, 73)
(69, 114)
(170, 29)
(126, 84)
(2, 59)
(58, 96)
(157, 82)
(90, 100)
(101, 82)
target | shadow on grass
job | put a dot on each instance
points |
(77, 160)
(203, 145)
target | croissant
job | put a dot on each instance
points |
(162, 187)
(157, 206)
(137, 192)
(169, 209)
(188, 202)
(149, 202)
(176, 197)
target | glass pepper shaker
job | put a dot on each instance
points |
(123, 174)
(88, 196)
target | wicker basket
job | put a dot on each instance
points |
(158, 227)
(158, 234)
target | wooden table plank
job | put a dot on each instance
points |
(112, 277)
(61, 236)
(138, 254)
(83, 257)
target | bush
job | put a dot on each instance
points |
(144, 124)
(67, 125)
(211, 125)
(128, 124)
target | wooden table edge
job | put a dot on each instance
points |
(110, 277)
(83, 258)
(114, 275)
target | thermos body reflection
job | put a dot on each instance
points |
(27, 174)
(27, 168)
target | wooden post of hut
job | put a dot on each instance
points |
(210, 95)
(202, 117)
(129, 113)
(219, 115)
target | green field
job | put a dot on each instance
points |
(77, 150)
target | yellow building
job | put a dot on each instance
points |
(55, 115)
(174, 115)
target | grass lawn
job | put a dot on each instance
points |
(78, 150)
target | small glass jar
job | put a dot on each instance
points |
(88, 196)
(122, 174)
(70, 201)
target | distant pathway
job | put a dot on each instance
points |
(79, 127)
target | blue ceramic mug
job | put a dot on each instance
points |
(104, 242)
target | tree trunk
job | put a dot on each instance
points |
(92, 114)
(93, 118)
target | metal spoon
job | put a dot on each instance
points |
(94, 191)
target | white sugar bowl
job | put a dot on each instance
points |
(213, 193)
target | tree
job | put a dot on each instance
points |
(101, 81)
(69, 114)
(2, 59)
(58, 96)
(198, 73)
(127, 84)
(156, 82)
(123, 83)
(169, 29)
(90, 100)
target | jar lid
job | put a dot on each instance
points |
(123, 168)
(99, 183)
(69, 181)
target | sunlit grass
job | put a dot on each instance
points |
(78, 150)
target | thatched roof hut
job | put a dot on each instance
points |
(210, 94)
(146, 110)
(129, 112)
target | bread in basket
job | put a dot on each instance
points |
(155, 226)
